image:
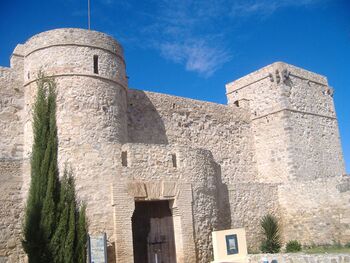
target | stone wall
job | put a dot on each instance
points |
(11, 110)
(314, 147)
(250, 202)
(155, 174)
(272, 146)
(11, 211)
(225, 131)
(316, 212)
(11, 151)
(300, 258)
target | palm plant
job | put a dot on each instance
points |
(272, 240)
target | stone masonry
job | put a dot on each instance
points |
(274, 148)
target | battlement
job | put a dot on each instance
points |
(72, 37)
(276, 72)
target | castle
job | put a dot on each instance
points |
(162, 172)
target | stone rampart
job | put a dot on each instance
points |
(225, 131)
(11, 110)
(250, 202)
(11, 211)
(316, 212)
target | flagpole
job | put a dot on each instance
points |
(89, 14)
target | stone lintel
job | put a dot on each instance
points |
(152, 190)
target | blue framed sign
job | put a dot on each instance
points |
(231, 244)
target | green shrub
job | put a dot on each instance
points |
(293, 246)
(272, 241)
(347, 245)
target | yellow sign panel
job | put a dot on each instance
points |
(230, 245)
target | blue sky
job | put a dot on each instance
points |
(192, 48)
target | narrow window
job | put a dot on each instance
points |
(173, 158)
(95, 64)
(125, 159)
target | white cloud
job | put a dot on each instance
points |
(192, 32)
(196, 55)
(267, 7)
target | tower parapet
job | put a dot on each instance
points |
(72, 51)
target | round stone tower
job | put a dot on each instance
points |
(89, 70)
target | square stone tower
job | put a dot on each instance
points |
(293, 122)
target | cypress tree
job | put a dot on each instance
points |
(80, 249)
(36, 228)
(69, 240)
(49, 168)
(71, 224)
(59, 238)
(54, 228)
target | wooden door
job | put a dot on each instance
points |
(153, 233)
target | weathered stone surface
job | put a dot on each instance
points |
(169, 189)
(300, 258)
(137, 189)
(274, 148)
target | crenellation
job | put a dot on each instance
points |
(275, 73)
(274, 148)
(73, 36)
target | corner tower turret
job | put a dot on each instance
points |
(293, 121)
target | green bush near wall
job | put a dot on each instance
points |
(293, 246)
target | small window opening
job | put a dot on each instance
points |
(236, 103)
(95, 64)
(173, 158)
(125, 159)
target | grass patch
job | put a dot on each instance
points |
(327, 249)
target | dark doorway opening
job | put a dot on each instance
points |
(153, 233)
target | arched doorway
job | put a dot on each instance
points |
(153, 232)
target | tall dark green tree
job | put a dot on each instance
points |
(70, 238)
(54, 228)
(80, 249)
(40, 216)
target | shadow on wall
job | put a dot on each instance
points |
(223, 202)
(111, 252)
(144, 122)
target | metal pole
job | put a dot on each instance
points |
(89, 14)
